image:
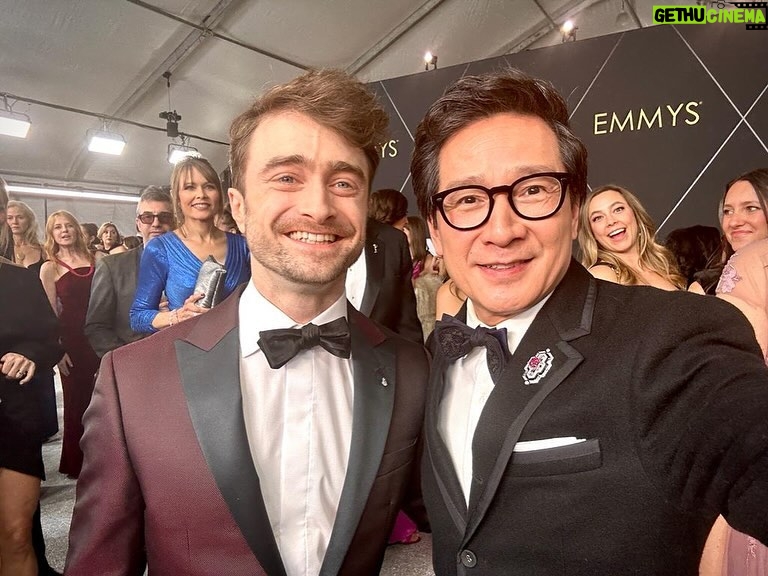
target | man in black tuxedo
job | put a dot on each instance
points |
(624, 420)
(107, 325)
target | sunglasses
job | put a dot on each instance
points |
(149, 217)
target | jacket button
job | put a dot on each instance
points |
(468, 558)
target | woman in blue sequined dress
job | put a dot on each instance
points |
(171, 262)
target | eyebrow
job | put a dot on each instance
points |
(609, 207)
(301, 160)
(476, 179)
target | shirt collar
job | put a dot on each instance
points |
(516, 326)
(256, 314)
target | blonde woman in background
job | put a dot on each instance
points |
(27, 250)
(617, 241)
(66, 277)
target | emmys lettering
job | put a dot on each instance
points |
(388, 149)
(633, 120)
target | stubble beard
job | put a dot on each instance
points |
(299, 269)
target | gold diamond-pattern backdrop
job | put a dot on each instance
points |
(670, 112)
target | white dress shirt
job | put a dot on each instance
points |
(357, 276)
(468, 385)
(298, 419)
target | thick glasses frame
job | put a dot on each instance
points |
(149, 217)
(562, 177)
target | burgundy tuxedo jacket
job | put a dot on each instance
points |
(168, 478)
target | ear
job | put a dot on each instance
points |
(434, 234)
(237, 205)
(574, 220)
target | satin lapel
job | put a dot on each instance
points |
(438, 456)
(374, 268)
(373, 365)
(211, 381)
(566, 316)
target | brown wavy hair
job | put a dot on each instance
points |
(332, 98)
(653, 256)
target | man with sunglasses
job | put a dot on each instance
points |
(573, 426)
(107, 325)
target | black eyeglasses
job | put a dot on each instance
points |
(534, 197)
(149, 217)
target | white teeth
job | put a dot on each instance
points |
(498, 266)
(615, 232)
(312, 238)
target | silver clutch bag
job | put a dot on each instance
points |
(210, 281)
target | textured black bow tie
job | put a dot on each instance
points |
(455, 340)
(279, 346)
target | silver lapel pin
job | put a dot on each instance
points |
(376, 251)
(383, 381)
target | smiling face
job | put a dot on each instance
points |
(743, 219)
(199, 199)
(304, 203)
(508, 264)
(17, 219)
(613, 223)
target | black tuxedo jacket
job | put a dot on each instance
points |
(389, 297)
(107, 323)
(669, 392)
(168, 474)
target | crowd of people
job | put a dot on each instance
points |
(582, 417)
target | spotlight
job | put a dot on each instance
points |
(177, 152)
(105, 142)
(13, 123)
(430, 60)
(569, 31)
(623, 19)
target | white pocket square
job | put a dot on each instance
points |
(532, 445)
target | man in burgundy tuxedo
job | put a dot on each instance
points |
(275, 433)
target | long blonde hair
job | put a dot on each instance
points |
(652, 256)
(52, 249)
(30, 234)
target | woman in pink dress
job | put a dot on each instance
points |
(66, 277)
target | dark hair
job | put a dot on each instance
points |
(474, 98)
(131, 242)
(693, 248)
(710, 276)
(182, 169)
(332, 98)
(387, 206)
(417, 239)
(155, 194)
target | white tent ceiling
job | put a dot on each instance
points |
(108, 57)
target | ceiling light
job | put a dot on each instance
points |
(177, 152)
(430, 60)
(80, 194)
(623, 19)
(13, 123)
(106, 142)
(568, 30)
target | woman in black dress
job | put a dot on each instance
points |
(28, 343)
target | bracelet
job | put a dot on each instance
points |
(173, 317)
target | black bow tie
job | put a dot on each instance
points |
(280, 346)
(455, 340)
